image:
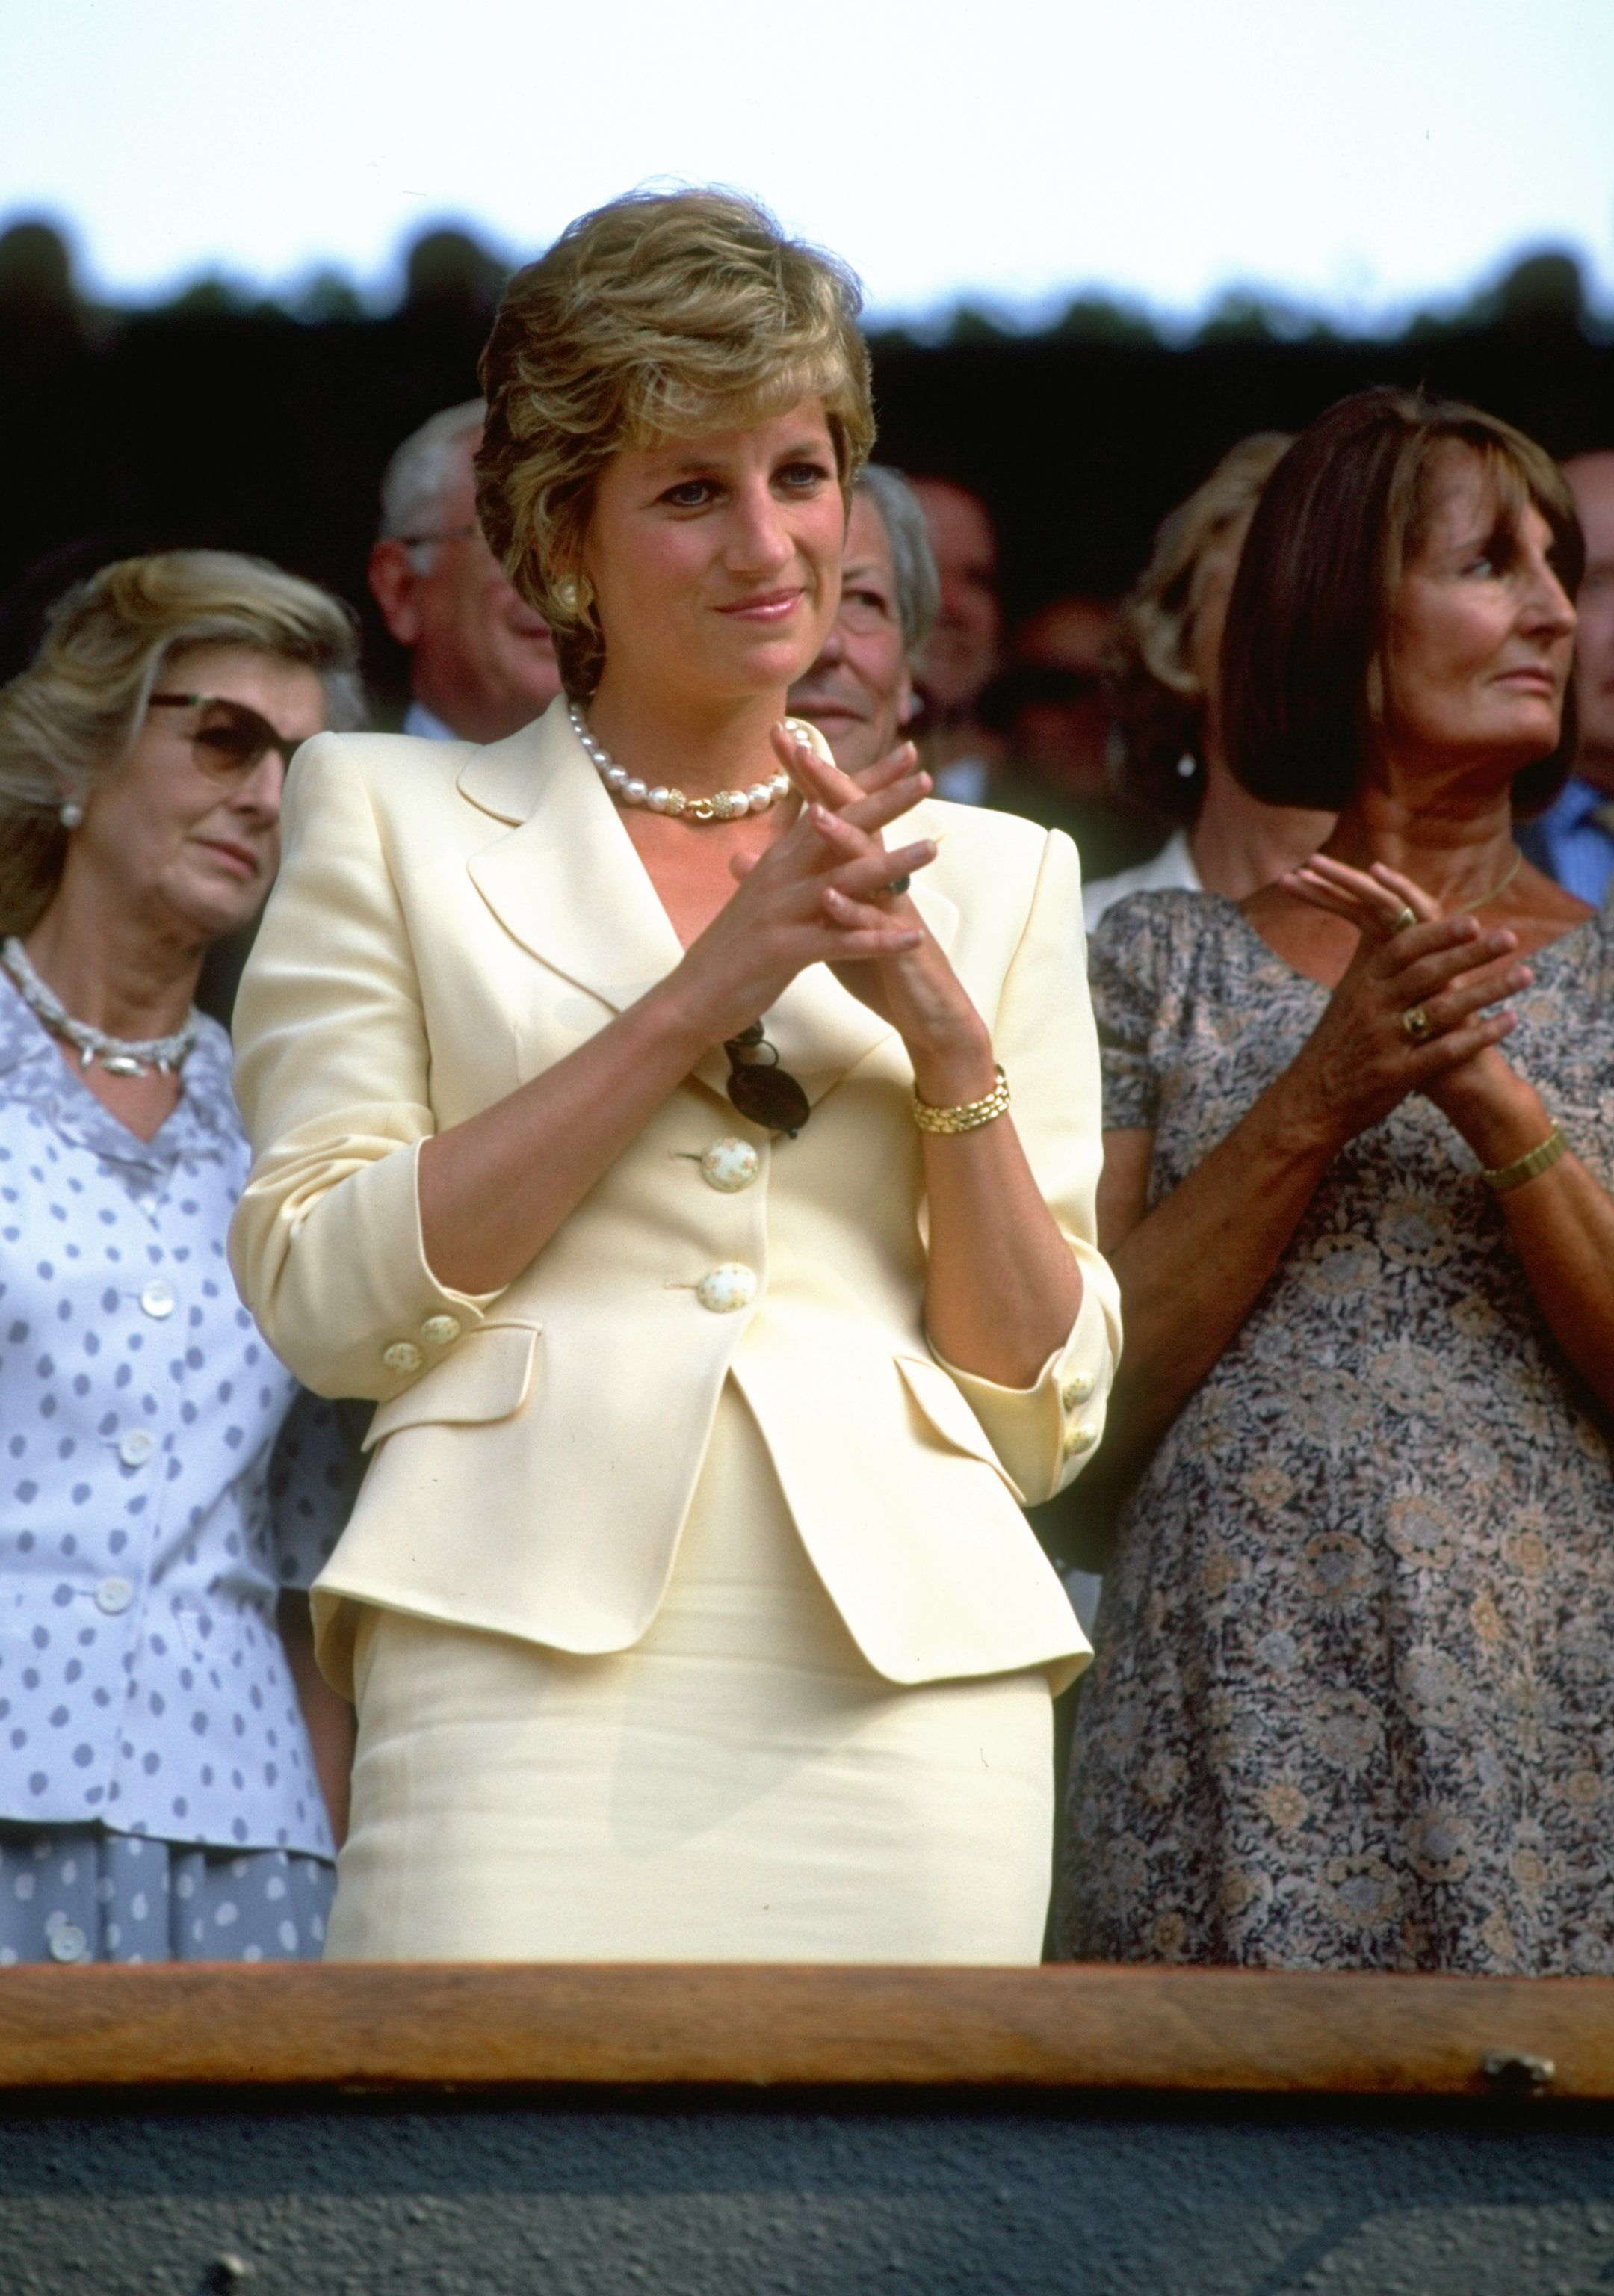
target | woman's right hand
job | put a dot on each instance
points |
(1359, 1061)
(778, 922)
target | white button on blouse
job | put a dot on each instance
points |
(136, 1447)
(157, 1300)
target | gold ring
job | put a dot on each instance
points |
(1405, 915)
(1416, 1024)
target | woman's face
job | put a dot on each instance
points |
(1482, 634)
(171, 833)
(715, 561)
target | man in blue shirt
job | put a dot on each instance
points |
(1574, 839)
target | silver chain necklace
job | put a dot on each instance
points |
(120, 1056)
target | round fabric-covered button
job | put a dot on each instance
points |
(1080, 1438)
(441, 1330)
(1077, 1389)
(403, 1356)
(726, 1287)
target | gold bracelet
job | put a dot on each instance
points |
(969, 1116)
(1525, 1168)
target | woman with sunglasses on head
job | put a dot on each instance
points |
(638, 1133)
(159, 1795)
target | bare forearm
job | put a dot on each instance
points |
(495, 1189)
(1561, 1222)
(1001, 1290)
(1191, 1271)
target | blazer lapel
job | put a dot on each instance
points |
(567, 883)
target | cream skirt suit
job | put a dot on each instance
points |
(688, 1604)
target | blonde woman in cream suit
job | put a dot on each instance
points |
(688, 1605)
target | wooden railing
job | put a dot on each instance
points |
(429, 2026)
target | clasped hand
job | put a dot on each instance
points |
(1446, 973)
(823, 893)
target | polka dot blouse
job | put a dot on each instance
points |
(147, 1518)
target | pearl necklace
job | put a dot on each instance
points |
(627, 789)
(120, 1056)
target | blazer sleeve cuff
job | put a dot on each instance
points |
(355, 1309)
(1044, 1434)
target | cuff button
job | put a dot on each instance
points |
(441, 1330)
(402, 1356)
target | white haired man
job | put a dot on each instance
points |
(482, 664)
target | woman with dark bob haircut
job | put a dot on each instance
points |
(630, 1124)
(1356, 1657)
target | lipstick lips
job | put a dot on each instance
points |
(771, 606)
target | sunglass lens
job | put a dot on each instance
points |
(231, 739)
(770, 1097)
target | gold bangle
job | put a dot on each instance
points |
(969, 1116)
(1525, 1168)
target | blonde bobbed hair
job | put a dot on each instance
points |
(72, 715)
(660, 315)
(1160, 701)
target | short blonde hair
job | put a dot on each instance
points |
(1160, 701)
(660, 315)
(72, 715)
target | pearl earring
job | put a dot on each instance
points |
(69, 813)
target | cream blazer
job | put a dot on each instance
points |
(448, 921)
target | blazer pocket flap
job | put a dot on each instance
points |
(946, 1410)
(486, 1376)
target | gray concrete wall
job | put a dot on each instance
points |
(771, 2199)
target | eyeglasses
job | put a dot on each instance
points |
(231, 739)
(759, 1088)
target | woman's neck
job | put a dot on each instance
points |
(1239, 844)
(1456, 844)
(112, 968)
(698, 745)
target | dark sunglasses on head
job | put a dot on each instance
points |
(229, 739)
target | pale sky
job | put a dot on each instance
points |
(1360, 156)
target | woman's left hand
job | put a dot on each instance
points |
(1476, 1094)
(917, 991)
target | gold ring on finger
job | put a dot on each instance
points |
(1417, 1025)
(1405, 915)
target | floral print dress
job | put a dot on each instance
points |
(1353, 1704)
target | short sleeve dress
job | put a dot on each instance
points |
(1354, 1681)
(161, 1478)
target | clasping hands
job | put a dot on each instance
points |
(1413, 1010)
